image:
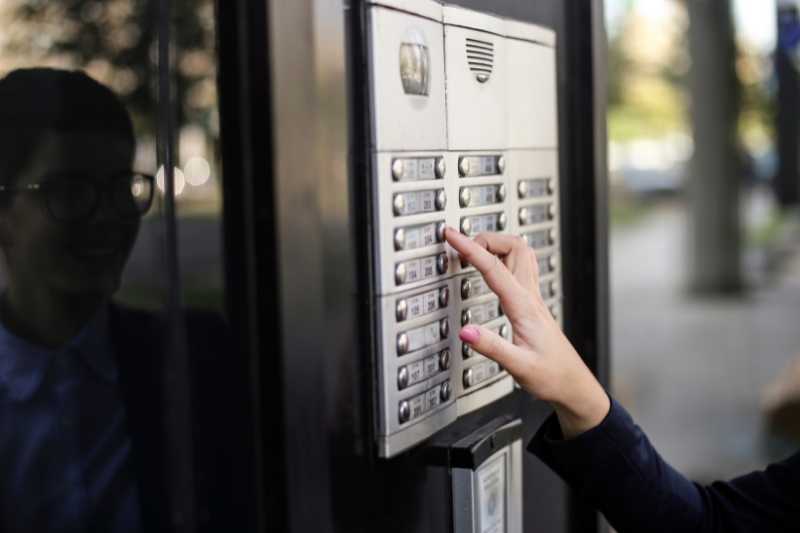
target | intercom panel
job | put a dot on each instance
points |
(445, 152)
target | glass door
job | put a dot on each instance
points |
(124, 398)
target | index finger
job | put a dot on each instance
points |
(497, 276)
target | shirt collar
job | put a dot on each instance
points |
(23, 365)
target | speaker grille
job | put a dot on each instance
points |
(480, 58)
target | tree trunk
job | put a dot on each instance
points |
(787, 180)
(715, 173)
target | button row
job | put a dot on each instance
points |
(535, 188)
(543, 238)
(420, 404)
(536, 214)
(419, 236)
(479, 373)
(471, 166)
(482, 195)
(422, 337)
(473, 287)
(421, 268)
(422, 304)
(419, 371)
(419, 202)
(482, 313)
(466, 349)
(418, 168)
(472, 225)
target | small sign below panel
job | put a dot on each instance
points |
(486, 475)
(491, 493)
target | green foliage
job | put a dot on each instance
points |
(116, 41)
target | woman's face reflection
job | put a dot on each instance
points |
(70, 254)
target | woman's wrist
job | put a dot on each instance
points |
(583, 408)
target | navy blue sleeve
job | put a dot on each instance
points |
(615, 468)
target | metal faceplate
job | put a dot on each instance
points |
(426, 377)
(408, 77)
(476, 66)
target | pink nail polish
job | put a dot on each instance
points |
(470, 334)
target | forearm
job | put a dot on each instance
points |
(615, 468)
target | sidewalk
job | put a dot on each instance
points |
(692, 372)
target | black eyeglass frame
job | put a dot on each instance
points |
(99, 191)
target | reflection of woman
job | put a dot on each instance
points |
(591, 441)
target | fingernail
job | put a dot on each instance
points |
(470, 334)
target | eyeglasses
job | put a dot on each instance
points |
(73, 198)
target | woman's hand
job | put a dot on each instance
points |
(540, 359)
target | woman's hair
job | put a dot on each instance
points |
(38, 101)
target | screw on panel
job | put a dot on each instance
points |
(441, 200)
(399, 203)
(444, 359)
(466, 226)
(444, 328)
(466, 289)
(441, 167)
(402, 378)
(504, 331)
(444, 392)
(402, 344)
(440, 227)
(401, 311)
(468, 378)
(442, 262)
(400, 273)
(444, 296)
(522, 188)
(464, 166)
(464, 196)
(502, 220)
(397, 169)
(399, 239)
(404, 411)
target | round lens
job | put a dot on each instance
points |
(70, 200)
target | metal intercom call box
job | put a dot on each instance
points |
(464, 133)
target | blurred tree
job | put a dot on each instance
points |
(114, 41)
(618, 64)
(716, 167)
(645, 58)
(787, 180)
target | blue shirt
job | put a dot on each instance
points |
(615, 467)
(65, 450)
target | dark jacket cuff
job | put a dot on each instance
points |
(590, 451)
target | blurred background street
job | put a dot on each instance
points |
(705, 271)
